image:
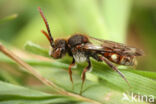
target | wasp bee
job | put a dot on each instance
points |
(81, 48)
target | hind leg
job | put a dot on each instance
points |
(110, 64)
(83, 76)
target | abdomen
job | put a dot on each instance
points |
(120, 59)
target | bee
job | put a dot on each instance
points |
(81, 48)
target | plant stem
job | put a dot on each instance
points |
(45, 81)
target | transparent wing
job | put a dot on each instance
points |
(110, 46)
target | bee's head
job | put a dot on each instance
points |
(59, 48)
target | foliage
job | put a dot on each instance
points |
(107, 19)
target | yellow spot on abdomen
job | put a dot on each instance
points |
(114, 57)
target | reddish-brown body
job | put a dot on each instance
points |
(120, 59)
(109, 57)
(81, 48)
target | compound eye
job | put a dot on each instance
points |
(56, 53)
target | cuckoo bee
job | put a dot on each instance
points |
(81, 48)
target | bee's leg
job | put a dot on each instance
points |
(70, 72)
(83, 75)
(113, 67)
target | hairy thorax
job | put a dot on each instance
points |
(75, 43)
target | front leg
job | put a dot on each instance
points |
(70, 72)
(83, 76)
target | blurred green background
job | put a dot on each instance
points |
(132, 22)
(126, 21)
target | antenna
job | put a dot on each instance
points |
(48, 35)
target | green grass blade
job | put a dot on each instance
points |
(140, 84)
(36, 49)
(13, 94)
(8, 18)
